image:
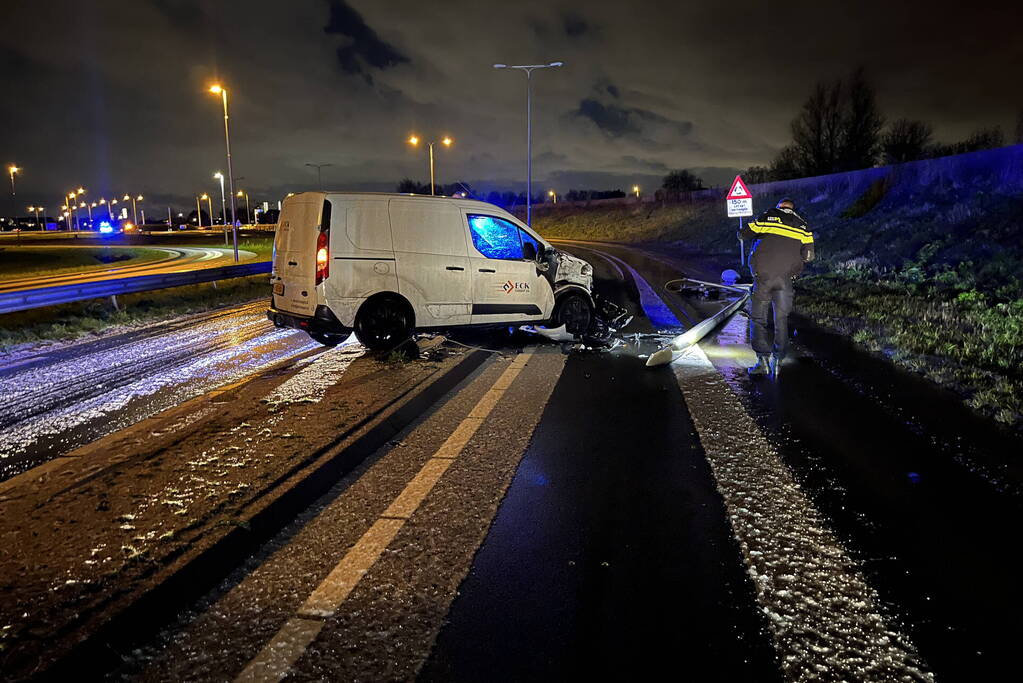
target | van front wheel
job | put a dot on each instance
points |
(574, 312)
(382, 324)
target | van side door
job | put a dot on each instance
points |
(432, 261)
(507, 286)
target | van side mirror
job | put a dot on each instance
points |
(529, 251)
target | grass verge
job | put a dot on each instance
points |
(72, 321)
(961, 341)
(32, 261)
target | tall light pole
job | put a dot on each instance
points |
(209, 203)
(446, 141)
(12, 169)
(198, 212)
(528, 69)
(220, 90)
(248, 211)
(134, 209)
(319, 177)
(36, 209)
(553, 195)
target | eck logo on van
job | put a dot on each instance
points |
(510, 287)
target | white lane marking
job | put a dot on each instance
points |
(822, 613)
(275, 660)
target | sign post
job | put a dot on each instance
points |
(739, 203)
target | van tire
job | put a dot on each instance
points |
(574, 311)
(330, 338)
(384, 322)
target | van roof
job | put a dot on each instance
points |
(403, 195)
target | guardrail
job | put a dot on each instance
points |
(25, 299)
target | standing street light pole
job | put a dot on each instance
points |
(219, 90)
(36, 209)
(528, 69)
(248, 211)
(198, 212)
(91, 206)
(319, 177)
(446, 141)
(209, 203)
(553, 195)
(223, 203)
(12, 169)
(134, 209)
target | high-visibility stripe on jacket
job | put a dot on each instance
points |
(782, 242)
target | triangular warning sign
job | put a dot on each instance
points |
(739, 190)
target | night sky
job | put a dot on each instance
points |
(112, 95)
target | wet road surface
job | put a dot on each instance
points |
(176, 260)
(60, 398)
(684, 520)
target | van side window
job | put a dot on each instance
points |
(495, 238)
(529, 239)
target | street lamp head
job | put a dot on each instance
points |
(240, 193)
(204, 196)
(550, 193)
(126, 197)
(556, 64)
(139, 198)
(81, 190)
(82, 205)
(12, 169)
(447, 141)
(216, 89)
(413, 140)
(218, 175)
(500, 66)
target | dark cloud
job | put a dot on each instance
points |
(616, 122)
(651, 165)
(364, 47)
(574, 25)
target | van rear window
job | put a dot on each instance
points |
(495, 238)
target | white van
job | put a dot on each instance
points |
(385, 265)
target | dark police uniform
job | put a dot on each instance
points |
(783, 243)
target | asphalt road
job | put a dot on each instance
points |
(600, 519)
(176, 260)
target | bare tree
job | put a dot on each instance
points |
(862, 123)
(754, 175)
(681, 181)
(906, 140)
(817, 131)
(787, 165)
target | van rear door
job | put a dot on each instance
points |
(294, 266)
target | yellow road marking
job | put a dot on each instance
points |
(278, 656)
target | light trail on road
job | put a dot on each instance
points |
(58, 400)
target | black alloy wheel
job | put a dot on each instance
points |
(573, 311)
(383, 324)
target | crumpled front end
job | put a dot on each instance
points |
(566, 269)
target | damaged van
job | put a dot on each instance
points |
(386, 265)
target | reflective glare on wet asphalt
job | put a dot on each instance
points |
(63, 397)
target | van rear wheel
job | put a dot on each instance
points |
(382, 324)
(574, 312)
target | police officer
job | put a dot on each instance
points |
(783, 243)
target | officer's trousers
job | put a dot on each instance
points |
(768, 293)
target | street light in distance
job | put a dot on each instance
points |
(446, 141)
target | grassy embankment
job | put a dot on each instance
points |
(32, 261)
(921, 263)
(72, 321)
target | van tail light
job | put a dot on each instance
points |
(322, 256)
